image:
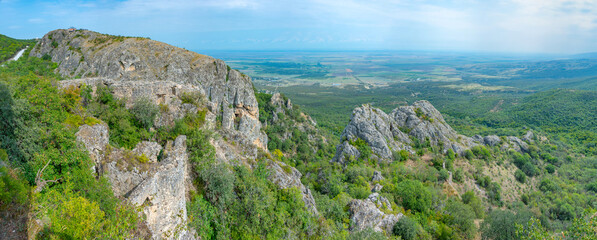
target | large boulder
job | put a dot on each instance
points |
(367, 214)
(491, 140)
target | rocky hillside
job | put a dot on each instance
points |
(143, 68)
(183, 85)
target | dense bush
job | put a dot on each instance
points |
(145, 111)
(406, 228)
(462, 218)
(520, 176)
(414, 195)
(472, 200)
(218, 183)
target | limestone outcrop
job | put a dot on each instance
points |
(367, 213)
(162, 195)
(140, 67)
(375, 127)
(94, 138)
(425, 123)
(288, 177)
(387, 133)
(159, 188)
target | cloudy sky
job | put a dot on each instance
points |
(526, 26)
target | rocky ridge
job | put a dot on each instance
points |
(139, 67)
(398, 130)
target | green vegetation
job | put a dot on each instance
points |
(10, 46)
(406, 228)
(534, 193)
(38, 136)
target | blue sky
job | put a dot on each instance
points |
(515, 26)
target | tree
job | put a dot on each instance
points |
(520, 176)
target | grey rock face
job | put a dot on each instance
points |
(377, 129)
(367, 214)
(377, 176)
(95, 139)
(386, 133)
(424, 122)
(491, 140)
(376, 188)
(151, 150)
(162, 195)
(287, 177)
(529, 137)
(90, 54)
(516, 144)
(159, 187)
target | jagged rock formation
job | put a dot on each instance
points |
(516, 144)
(287, 177)
(139, 67)
(386, 133)
(158, 187)
(367, 214)
(425, 123)
(283, 106)
(162, 195)
(378, 129)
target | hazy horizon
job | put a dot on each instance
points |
(505, 26)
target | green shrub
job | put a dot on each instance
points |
(458, 176)
(450, 154)
(363, 148)
(550, 168)
(14, 192)
(406, 228)
(469, 154)
(481, 152)
(203, 217)
(414, 195)
(443, 175)
(76, 217)
(145, 111)
(520, 176)
(219, 184)
(462, 217)
(472, 200)
(401, 155)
